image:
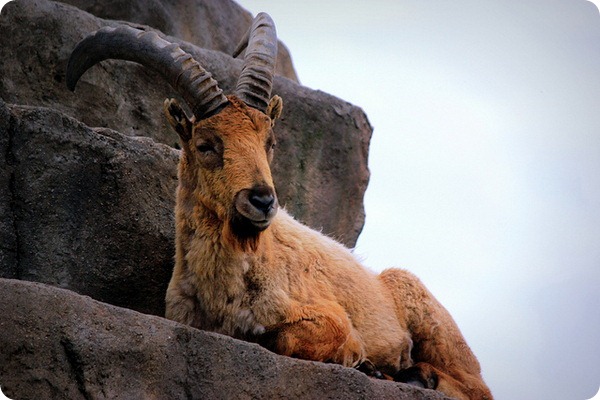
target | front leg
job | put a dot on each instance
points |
(181, 306)
(320, 332)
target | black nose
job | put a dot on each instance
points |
(263, 199)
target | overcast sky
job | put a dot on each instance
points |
(485, 165)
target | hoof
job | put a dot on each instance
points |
(417, 377)
(367, 368)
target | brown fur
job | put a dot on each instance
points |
(286, 286)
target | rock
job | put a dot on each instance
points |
(209, 24)
(91, 210)
(33, 64)
(320, 167)
(57, 344)
(8, 239)
(315, 177)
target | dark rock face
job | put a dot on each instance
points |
(58, 344)
(8, 240)
(90, 209)
(319, 147)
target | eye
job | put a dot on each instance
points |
(210, 153)
(270, 145)
(205, 148)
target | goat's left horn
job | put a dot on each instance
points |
(186, 75)
(256, 80)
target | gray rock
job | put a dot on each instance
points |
(92, 210)
(209, 24)
(60, 345)
(8, 238)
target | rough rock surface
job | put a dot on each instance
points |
(58, 344)
(90, 210)
(209, 24)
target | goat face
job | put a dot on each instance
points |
(226, 159)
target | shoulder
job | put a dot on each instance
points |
(292, 233)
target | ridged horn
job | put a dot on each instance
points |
(256, 80)
(184, 74)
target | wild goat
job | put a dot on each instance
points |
(246, 268)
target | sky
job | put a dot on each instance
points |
(484, 162)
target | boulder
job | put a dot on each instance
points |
(90, 210)
(209, 24)
(8, 233)
(320, 169)
(60, 345)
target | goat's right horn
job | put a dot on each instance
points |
(184, 74)
(256, 80)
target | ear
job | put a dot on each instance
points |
(178, 119)
(274, 108)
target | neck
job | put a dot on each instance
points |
(227, 236)
(241, 234)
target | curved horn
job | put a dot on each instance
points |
(256, 80)
(186, 75)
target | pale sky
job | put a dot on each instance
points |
(484, 161)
